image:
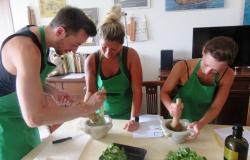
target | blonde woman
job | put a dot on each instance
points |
(118, 69)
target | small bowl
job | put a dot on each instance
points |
(177, 136)
(98, 131)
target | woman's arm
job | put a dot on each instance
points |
(90, 76)
(174, 78)
(135, 69)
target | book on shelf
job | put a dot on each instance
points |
(73, 63)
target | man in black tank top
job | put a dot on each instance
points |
(23, 70)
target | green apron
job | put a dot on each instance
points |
(16, 138)
(118, 103)
(196, 97)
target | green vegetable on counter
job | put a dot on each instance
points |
(184, 154)
(113, 152)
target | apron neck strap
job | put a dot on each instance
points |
(42, 36)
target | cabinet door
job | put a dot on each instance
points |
(74, 87)
(235, 110)
(70, 87)
(236, 107)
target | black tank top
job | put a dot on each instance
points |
(7, 80)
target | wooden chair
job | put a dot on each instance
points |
(152, 94)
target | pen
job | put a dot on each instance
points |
(61, 140)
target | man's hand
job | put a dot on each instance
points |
(96, 100)
(62, 98)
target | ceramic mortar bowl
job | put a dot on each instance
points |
(177, 136)
(97, 131)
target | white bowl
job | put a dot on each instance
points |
(98, 131)
(177, 136)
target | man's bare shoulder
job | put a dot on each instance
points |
(21, 45)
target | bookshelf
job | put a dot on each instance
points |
(73, 63)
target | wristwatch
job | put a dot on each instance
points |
(135, 118)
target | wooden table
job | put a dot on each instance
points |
(207, 144)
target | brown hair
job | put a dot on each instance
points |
(73, 20)
(222, 49)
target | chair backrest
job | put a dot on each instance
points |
(152, 95)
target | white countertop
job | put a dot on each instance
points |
(207, 144)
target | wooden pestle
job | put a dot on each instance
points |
(175, 124)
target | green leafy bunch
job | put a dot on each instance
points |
(184, 154)
(113, 152)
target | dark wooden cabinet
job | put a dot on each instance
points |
(237, 105)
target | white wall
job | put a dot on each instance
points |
(167, 29)
(6, 23)
(19, 13)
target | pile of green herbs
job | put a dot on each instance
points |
(113, 152)
(184, 154)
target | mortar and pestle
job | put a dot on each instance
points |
(176, 128)
(97, 125)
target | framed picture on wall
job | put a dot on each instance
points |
(172, 5)
(49, 8)
(133, 3)
(246, 20)
(92, 13)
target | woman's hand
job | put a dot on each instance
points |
(175, 110)
(131, 126)
(195, 126)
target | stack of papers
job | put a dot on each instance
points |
(224, 132)
(150, 126)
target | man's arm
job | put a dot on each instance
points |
(34, 107)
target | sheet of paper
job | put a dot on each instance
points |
(74, 76)
(224, 132)
(67, 150)
(150, 126)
